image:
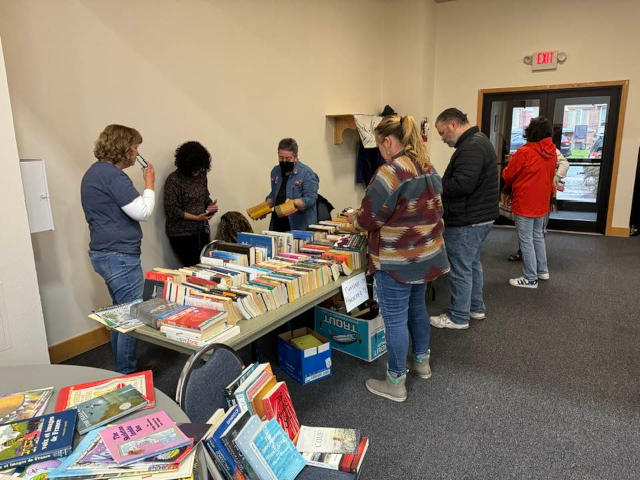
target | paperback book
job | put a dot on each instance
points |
(23, 405)
(36, 439)
(328, 440)
(108, 407)
(72, 395)
(143, 437)
(118, 317)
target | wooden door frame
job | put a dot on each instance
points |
(624, 84)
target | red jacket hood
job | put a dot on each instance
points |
(545, 148)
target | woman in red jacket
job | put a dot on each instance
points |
(529, 174)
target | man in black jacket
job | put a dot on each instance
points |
(470, 199)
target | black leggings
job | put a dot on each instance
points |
(187, 247)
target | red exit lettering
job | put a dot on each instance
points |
(543, 58)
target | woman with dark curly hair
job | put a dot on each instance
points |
(529, 175)
(187, 203)
(114, 209)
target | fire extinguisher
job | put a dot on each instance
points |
(424, 129)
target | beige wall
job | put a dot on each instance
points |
(237, 76)
(22, 337)
(480, 44)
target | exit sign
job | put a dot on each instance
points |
(544, 60)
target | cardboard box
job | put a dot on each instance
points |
(361, 338)
(305, 366)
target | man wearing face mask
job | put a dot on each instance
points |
(293, 180)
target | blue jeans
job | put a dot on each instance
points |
(534, 252)
(464, 245)
(404, 311)
(123, 275)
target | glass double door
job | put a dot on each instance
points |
(584, 131)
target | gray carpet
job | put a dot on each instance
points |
(547, 387)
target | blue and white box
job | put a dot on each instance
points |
(305, 366)
(364, 339)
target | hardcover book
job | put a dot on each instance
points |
(108, 407)
(278, 405)
(36, 439)
(143, 437)
(74, 394)
(23, 405)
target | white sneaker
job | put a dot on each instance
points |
(477, 315)
(443, 321)
(543, 276)
(523, 282)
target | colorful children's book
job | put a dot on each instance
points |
(23, 405)
(36, 439)
(108, 407)
(91, 459)
(75, 394)
(143, 437)
(277, 452)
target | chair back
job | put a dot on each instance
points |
(200, 390)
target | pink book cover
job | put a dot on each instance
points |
(143, 437)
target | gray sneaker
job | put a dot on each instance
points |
(443, 321)
(421, 369)
(389, 388)
(477, 315)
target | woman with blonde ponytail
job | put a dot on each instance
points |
(402, 212)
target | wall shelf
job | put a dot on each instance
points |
(341, 123)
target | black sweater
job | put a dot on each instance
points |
(470, 182)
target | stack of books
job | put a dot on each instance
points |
(259, 435)
(333, 448)
(152, 446)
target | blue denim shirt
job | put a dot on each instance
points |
(303, 183)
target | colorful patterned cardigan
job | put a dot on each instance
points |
(402, 211)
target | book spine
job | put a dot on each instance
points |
(217, 458)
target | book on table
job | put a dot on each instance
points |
(91, 459)
(118, 317)
(23, 405)
(143, 437)
(72, 395)
(106, 408)
(36, 439)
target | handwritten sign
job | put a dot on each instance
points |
(355, 291)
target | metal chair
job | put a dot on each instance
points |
(200, 390)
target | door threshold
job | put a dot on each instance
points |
(513, 227)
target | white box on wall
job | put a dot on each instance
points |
(36, 195)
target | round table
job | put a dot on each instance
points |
(29, 377)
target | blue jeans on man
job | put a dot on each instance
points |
(464, 246)
(123, 275)
(534, 252)
(404, 311)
